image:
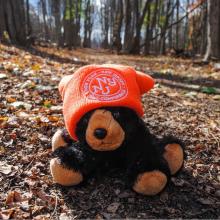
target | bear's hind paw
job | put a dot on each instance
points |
(64, 176)
(150, 183)
(174, 156)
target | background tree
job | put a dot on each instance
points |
(213, 30)
(117, 24)
(129, 26)
(12, 21)
(88, 22)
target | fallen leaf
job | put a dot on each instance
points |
(10, 99)
(36, 67)
(53, 118)
(2, 150)
(13, 196)
(44, 196)
(3, 76)
(5, 168)
(7, 214)
(20, 104)
(47, 103)
(112, 208)
(206, 201)
(28, 84)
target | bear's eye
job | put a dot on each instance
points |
(116, 115)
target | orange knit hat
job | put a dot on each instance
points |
(96, 86)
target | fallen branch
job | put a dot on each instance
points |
(191, 87)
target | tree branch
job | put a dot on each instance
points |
(175, 23)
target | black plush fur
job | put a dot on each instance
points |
(141, 151)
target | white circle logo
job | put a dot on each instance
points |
(104, 85)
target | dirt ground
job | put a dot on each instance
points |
(185, 102)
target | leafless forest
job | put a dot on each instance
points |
(177, 42)
(187, 27)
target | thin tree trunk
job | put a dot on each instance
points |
(3, 28)
(87, 25)
(28, 18)
(139, 22)
(105, 22)
(213, 30)
(128, 26)
(147, 32)
(170, 33)
(44, 14)
(177, 25)
(117, 26)
(56, 12)
(13, 21)
(186, 29)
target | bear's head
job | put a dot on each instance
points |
(99, 100)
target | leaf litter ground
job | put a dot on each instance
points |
(31, 111)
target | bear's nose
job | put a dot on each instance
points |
(100, 133)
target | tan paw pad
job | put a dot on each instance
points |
(57, 140)
(64, 176)
(150, 183)
(174, 157)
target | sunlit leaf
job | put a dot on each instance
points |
(36, 67)
(47, 103)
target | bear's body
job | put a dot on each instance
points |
(140, 151)
(111, 135)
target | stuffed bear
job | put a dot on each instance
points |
(102, 112)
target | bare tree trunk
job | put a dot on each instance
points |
(28, 18)
(105, 22)
(209, 41)
(213, 30)
(157, 40)
(13, 21)
(56, 4)
(139, 22)
(147, 32)
(170, 33)
(186, 29)
(128, 26)
(204, 30)
(116, 42)
(44, 14)
(164, 28)
(76, 19)
(2, 21)
(177, 25)
(87, 24)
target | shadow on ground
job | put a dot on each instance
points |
(108, 197)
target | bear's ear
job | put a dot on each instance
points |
(63, 84)
(145, 82)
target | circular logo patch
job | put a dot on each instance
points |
(104, 85)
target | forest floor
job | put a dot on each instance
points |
(185, 102)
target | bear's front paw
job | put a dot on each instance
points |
(60, 139)
(64, 176)
(174, 156)
(150, 183)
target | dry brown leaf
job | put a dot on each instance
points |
(53, 118)
(7, 214)
(13, 196)
(2, 150)
(44, 196)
